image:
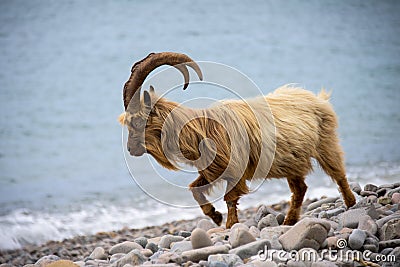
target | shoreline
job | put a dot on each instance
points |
(372, 225)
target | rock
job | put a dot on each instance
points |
(98, 254)
(396, 198)
(293, 263)
(395, 253)
(170, 257)
(146, 252)
(166, 240)
(334, 212)
(184, 233)
(384, 220)
(262, 211)
(318, 203)
(394, 243)
(366, 223)
(43, 261)
(355, 187)
(250, 222)
(116, 257)
(124, 247)
(200, 239)
(275, 244)
(181, 246)
(381, 192)
(239, 225)
(229, 260)
(280, 217)
(368, 193)
(62, 263)
(332, 242)
(323, 263)
(390, 230)
(307, 255)
(371, 244)
(370, 187)
(390, 193)
(199, 254)
(79, 263)
(357, 238)
(141, 241)
(250, 249)
(134, 257)
(384, 200)
(350, 218)
(258, 263)
(269, 232)
(267, 221)
(153, 247)
(254, 231)
(308, 232)
(240, 236)
(372, 199)
(215, 230)
(206, 224)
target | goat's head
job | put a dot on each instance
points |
(137, 109)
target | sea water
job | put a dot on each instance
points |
(64, 63)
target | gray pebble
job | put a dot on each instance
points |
(200, 239)
(267, 221)
(240, 236)
(229, 260)
(357, 238)
(152, 246)
(134, 257)
(355, 187)
(184, 233)
(98, 254)
(124, 247)
(181, 246)
(141, 241)
(250, 249)
(206, 224)
(370, 187)
(196, 255)
(165, 241)
(319, 203)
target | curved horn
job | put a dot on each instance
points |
(141, 69)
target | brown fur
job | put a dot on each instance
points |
(302, 126)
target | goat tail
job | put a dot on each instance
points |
(324, 95)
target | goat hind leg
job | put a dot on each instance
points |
(298, 188)
(234, 191)
(198, 187)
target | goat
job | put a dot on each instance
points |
(302, 126)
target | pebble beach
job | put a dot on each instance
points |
(328, 234)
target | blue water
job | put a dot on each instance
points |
(63, 65)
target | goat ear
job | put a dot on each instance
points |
(147, 99)
(151, 89)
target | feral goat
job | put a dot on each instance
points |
(225, 142)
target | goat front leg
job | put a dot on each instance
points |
(198, 187)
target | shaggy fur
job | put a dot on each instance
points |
(217, 141)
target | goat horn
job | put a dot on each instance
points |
(141, 69)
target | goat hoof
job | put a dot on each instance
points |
(217, 218)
